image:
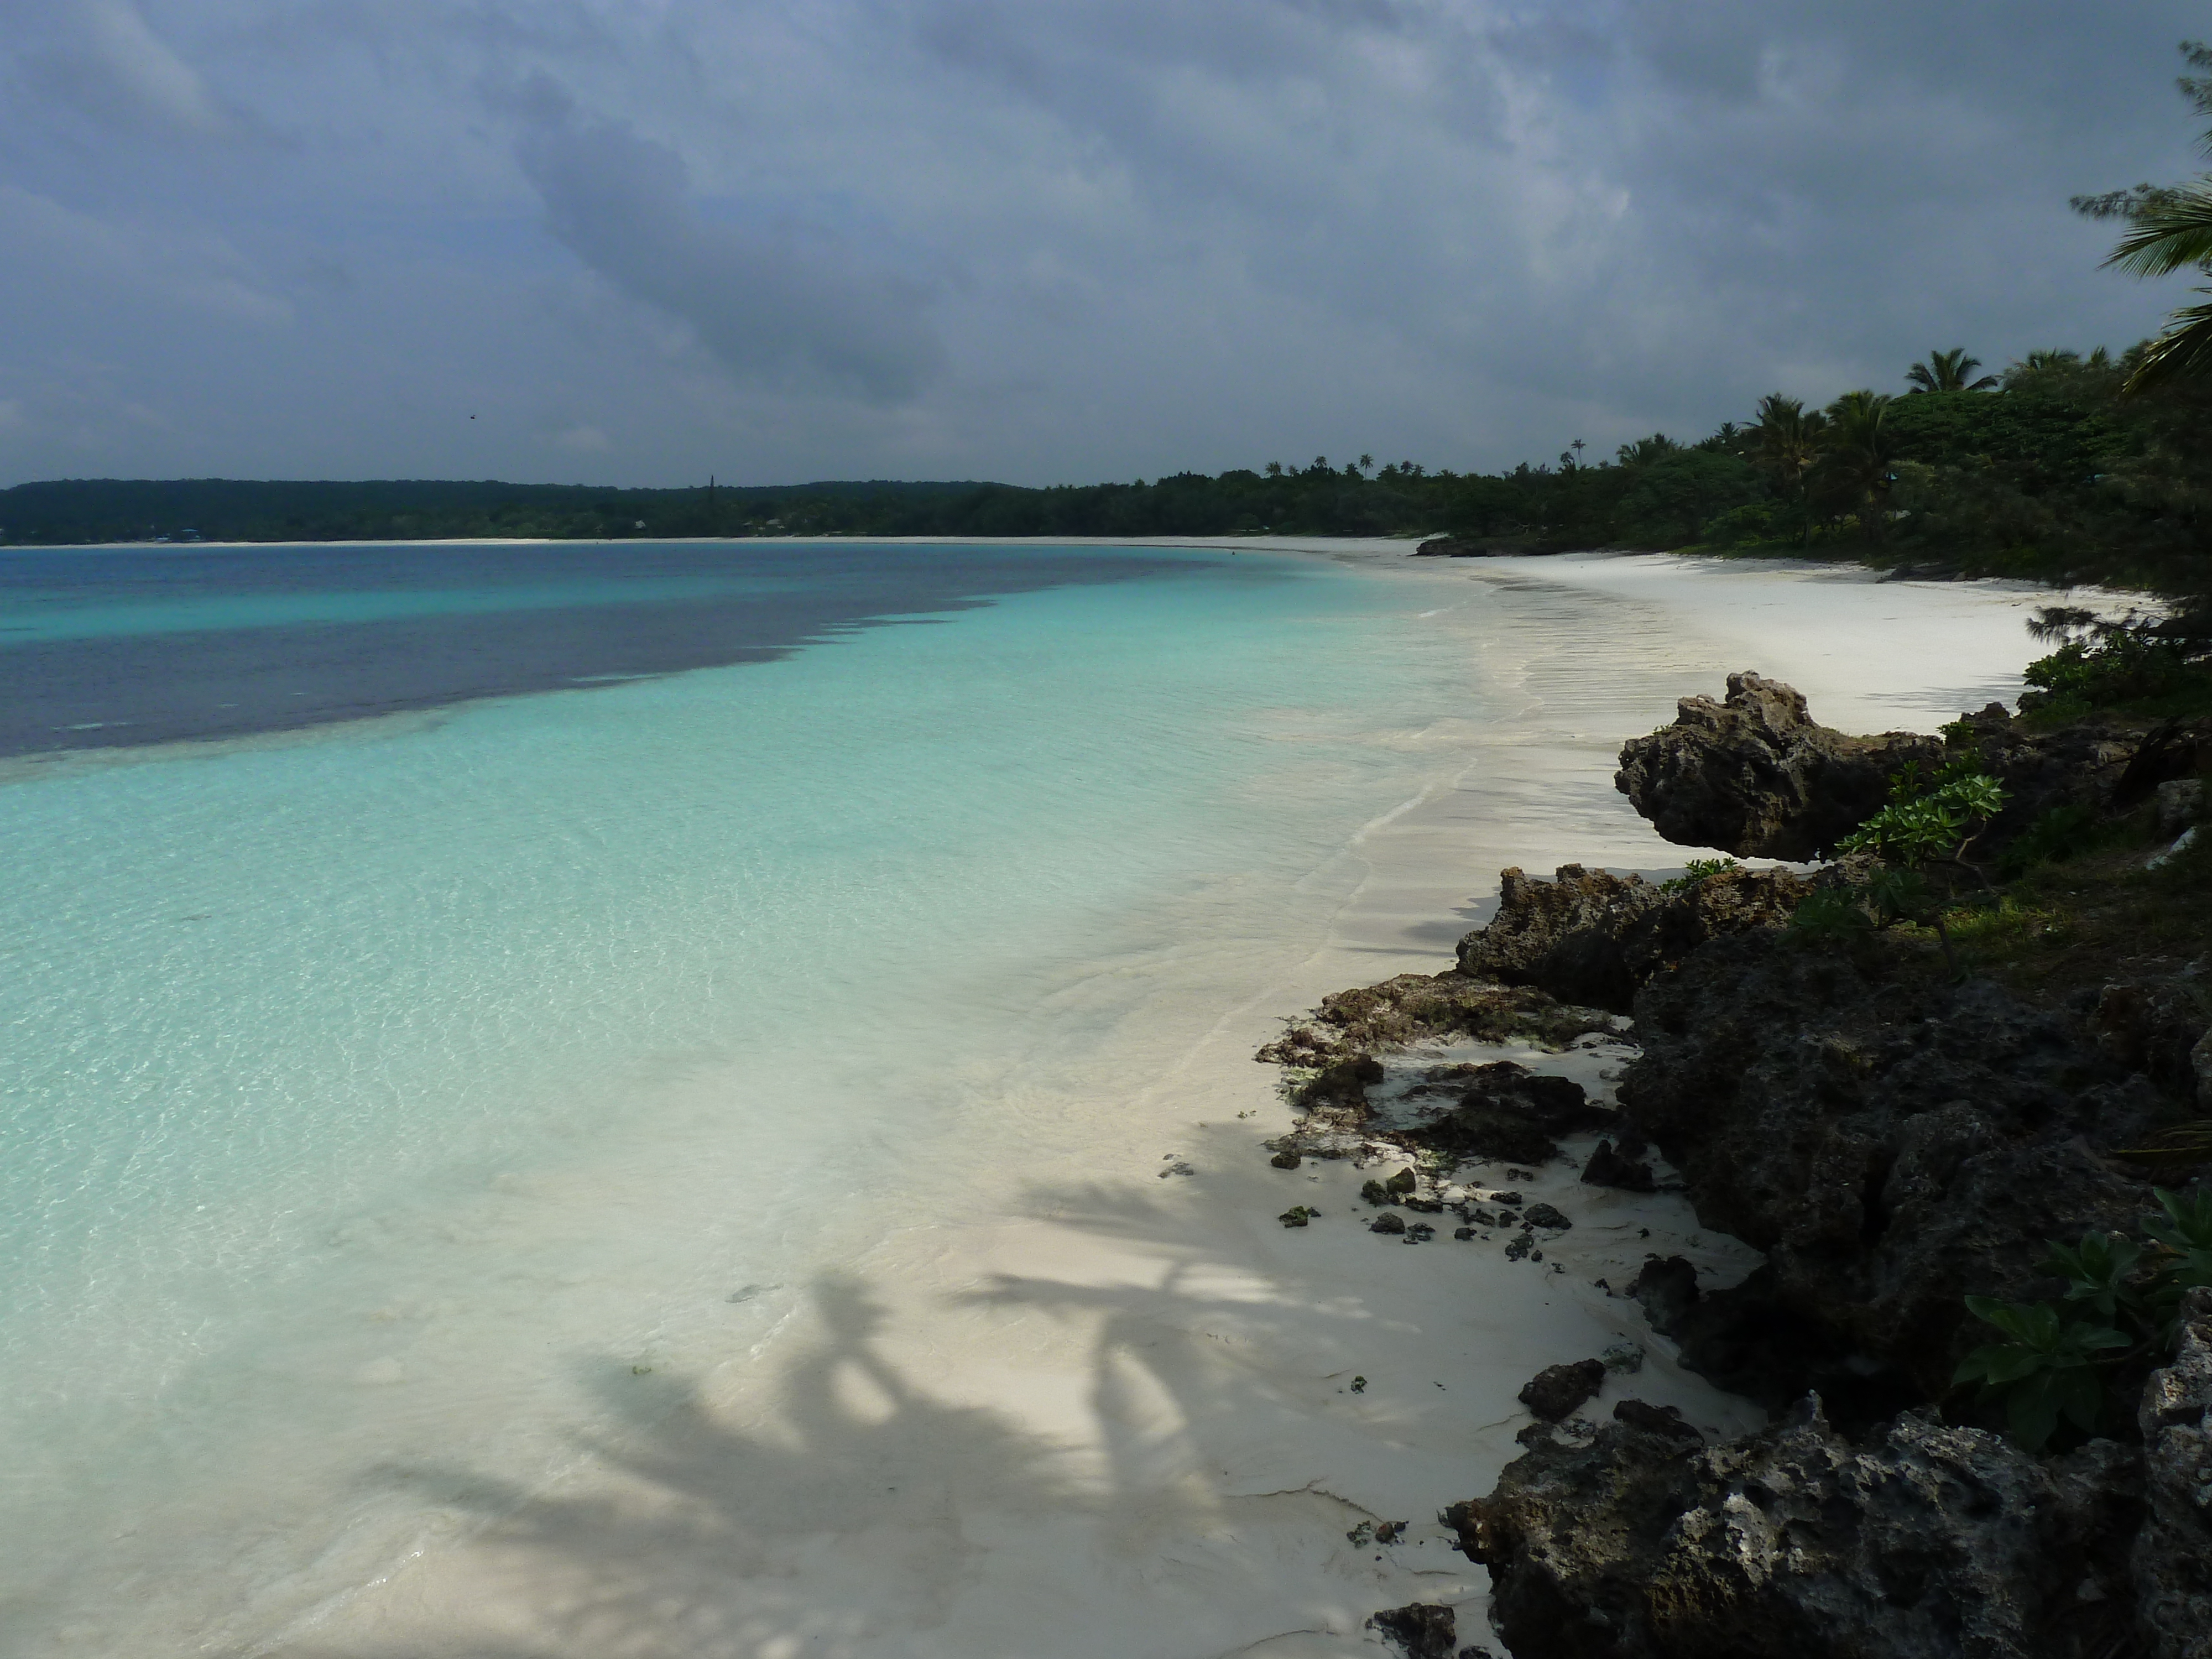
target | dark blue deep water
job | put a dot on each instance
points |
(102, 647)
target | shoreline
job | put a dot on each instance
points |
(1167, 1410)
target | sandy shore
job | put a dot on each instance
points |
(1106, 1405)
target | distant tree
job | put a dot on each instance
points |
(1785, 445)
(1948, 371)
(1366, 463)
(1644, 451)
(1274, 468)
(1860, 454)
(2169, 226)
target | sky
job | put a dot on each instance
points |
(646, 241)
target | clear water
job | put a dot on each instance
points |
(369, 1099)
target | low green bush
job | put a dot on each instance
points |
(2121, 1305)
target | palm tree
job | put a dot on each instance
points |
(2166, 233)
(2170, 227)
(1786, 442)
(1859, 449)
(1647, 449)
(1947, 371)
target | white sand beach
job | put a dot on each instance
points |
(1087, 1397)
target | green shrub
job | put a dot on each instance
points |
(2102, 666)
(2054, 837)
(2049, 1367)
(1694, 875)
(2122, 1301)
(1929, 822)
(1831, 913)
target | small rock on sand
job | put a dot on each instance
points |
(1557, 1390)
(1424, 1629)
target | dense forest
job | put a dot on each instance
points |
(2048, 470)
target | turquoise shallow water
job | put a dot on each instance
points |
(364, 1089)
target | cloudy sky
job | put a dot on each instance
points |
(639, 241)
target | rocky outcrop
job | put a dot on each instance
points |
(1424, 1630)
(1893, 1145)
(2172, 1559)
(1755, 776)
(1506, 1113)
(1415, 1007)
(1591, 938)
(1924, 1542)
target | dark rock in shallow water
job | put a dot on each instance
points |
(1557, 1390)
(1424, 1629)
(1924, 1542)
(1606, 1168)
(1288, 1158)
(2172, 1561)
(1755, 776)
(1586, 936)
(1543, 1215)
(1388, 1222)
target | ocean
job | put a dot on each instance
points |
(449, 986)
(502, 956)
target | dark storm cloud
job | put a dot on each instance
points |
(781, 303)
(1057, 238)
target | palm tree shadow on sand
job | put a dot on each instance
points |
(699, 1543)
(854, 1511)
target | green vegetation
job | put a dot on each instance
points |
(2119, 1308)
(1928, 822)
(2056, 475)
(2169, 227)
(1695, 874)
(2147, 666)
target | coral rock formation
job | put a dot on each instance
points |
(1756, 776)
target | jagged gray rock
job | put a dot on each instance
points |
(1757, 776)
(1924, 1542)
(1893, 1145)
(2172, 1561)
(1589, 937)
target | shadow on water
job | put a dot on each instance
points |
(854, 1511)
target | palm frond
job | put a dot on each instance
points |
(2183, 352)
(2168, 234)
